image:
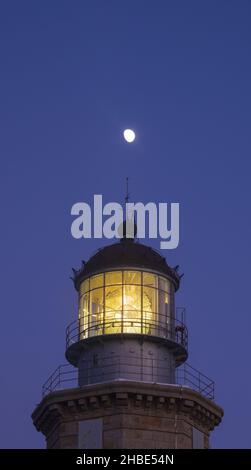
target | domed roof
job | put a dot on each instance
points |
(126, 253)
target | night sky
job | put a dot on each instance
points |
(73, 75)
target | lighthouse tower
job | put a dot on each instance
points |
(127, 384)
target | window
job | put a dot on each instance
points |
(90, 434)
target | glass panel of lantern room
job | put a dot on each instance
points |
(113, 308)
(172, 308)
(84, 287)
(96, 312)
(150, 280)
(113, 278)
(164, 307)
(96, 281)
(84, 314)
(81, 317)
(132, 308)
(150, 295)
(132, 277)
(83, 309)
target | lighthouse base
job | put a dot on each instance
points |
(127, 415)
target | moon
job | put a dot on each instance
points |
(129, 135)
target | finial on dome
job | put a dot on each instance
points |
(128, 229)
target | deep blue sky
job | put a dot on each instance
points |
(73, 75)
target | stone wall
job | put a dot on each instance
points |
(134, 415)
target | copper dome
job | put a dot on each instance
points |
(126, 253)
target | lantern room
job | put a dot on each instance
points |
(125, 301)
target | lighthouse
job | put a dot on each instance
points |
(127, 384)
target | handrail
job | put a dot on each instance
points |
(67, 376)
(165, 327)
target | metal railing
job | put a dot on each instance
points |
(66, 376)
(164, 327)
(193, 378)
